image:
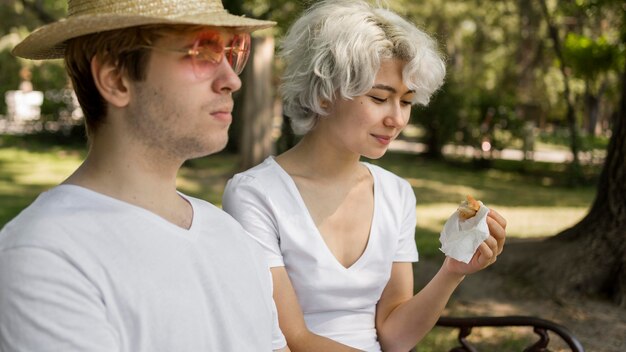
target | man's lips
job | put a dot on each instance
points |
(223, 114)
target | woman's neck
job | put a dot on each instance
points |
(315, 158)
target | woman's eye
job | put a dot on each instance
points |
(377, 99)
(405, 102)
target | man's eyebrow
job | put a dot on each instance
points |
(390, 89)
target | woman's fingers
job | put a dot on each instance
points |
(498, 218)
(497, 229)
(492, 243)
(486, 255)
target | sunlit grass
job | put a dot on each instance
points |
(25, 173)
(532, 208)
(521, 221)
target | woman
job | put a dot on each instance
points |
(338, 232)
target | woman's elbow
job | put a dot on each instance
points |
(392, 340)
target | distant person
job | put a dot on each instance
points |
(25, 84)
(339, 233)
(115, 258)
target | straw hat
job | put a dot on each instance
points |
(92, 16)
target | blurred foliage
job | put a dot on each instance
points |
(580, 51)
(503, 73)
(440, 118)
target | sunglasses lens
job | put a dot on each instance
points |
(211, 50)
(239, 52)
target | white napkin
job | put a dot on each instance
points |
(460, 238)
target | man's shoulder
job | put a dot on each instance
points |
(216, 222)
(60, 216)
(48, 213)
(210, 217)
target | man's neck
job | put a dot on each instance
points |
(135, 175)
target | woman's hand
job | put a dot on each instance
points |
(487, 252)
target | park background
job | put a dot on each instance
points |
(531, 120)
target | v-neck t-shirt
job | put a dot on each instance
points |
(82, 271)
(337, 302)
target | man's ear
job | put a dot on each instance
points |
(112, 84)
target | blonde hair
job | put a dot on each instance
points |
(335, 49)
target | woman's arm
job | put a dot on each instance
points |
(402, 319)
(291, 319)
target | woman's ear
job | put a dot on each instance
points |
(112, 84)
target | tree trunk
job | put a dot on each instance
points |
(571, 112)
(256, 104)
(592, 108)
(590, 257)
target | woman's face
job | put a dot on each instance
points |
(367, 124)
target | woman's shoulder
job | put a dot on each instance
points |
(263, 177)
(387, 178)
(263, 172)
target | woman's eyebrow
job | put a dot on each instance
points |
(390, 89)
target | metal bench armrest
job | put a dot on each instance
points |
(540, 327)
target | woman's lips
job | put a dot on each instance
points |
(382, 139)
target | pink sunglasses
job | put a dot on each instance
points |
(211, 47)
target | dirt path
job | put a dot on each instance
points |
(599, 325)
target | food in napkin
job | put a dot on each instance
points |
(465, 230)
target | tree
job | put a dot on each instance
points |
(257, 104)
(567, 96)
(590, 257)
(251, 134)
(579, 51)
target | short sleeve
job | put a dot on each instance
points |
(407, 249)
(245, 201)
(45, 301)
(278, 339)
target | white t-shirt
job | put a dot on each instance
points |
(80, 271)
(337, 302)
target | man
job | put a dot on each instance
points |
(114, 258)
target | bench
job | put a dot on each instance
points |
(541, 327)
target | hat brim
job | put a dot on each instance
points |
(48, 42)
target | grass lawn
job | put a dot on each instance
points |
(532, 206)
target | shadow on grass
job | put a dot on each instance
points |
(484, 339)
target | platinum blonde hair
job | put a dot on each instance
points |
(335, 49)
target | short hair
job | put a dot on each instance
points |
(335, 50)
(126, 48)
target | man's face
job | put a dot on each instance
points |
(177, 111)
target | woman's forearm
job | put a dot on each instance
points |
(309, 342)
(412, 320)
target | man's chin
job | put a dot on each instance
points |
(213, 149)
